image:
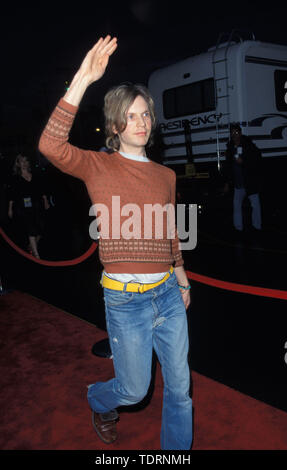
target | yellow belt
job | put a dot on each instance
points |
(132, 286)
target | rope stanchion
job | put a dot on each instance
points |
(71, 262)
(232, 286)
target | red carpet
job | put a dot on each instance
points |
(46, 364)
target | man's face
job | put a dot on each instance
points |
(236, 135)
(137, 132)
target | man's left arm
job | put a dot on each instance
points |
(184, 285)
(179, 263)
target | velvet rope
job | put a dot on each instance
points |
(243, 288)
(70, 262)
(232, 286)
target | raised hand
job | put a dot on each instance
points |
(92, 69)
(94, 65)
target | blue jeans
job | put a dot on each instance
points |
(239, 195)
(136, 324)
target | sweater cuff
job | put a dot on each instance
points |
(179, 262)
(70, 108)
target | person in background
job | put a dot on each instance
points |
(242, 169)
(146, 289)
(26, 199)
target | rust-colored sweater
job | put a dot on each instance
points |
(107, 175)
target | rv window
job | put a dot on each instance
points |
(194, 98)
(280, 78)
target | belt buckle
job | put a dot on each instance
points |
(141, 289)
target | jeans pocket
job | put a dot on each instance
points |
(114, 297)
(171, 281)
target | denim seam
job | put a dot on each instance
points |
(119, 304)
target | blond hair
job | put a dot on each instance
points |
(116, 105)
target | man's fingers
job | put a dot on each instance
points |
(112, 49)
(108, 46)
(103, 46)
(97, 58)
(186, 299)
(96, 46)
(106, 40)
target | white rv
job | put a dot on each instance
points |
(196, 99)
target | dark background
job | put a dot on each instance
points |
(42, 47)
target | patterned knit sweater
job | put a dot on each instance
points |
(111, 178)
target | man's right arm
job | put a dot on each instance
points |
(92, 69)
(54, 139)
(54, 143)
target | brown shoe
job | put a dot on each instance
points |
(105, 425)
